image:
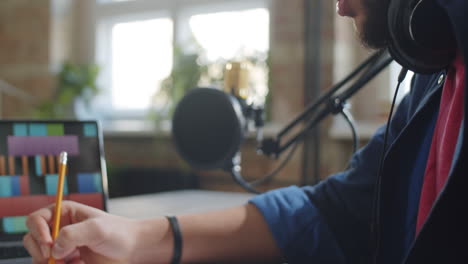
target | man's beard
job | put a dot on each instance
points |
(374, 34)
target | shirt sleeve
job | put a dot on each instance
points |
(296, 224)
(330, 222)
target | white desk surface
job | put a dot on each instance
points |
(175, 203)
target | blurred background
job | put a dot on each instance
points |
(128, 62)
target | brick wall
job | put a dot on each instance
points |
(24, 51)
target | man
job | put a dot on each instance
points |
(421, 212)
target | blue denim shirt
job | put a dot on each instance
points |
(330, 222)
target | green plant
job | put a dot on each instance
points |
(185, 75)
(73, 81)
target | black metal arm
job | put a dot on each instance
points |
(327, 104)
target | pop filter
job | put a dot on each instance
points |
(208, 128)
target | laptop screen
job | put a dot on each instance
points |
(29, 153)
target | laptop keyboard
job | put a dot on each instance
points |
(13, 252)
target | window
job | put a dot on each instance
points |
(135, 42)
(141, 59)
(241, 33)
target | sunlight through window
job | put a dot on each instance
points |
(141, 59)
(229, 35)
(237, 36)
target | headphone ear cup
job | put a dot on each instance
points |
(421, 35)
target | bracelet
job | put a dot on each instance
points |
(177, 256)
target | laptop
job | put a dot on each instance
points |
(29, 152)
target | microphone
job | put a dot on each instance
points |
(209, 125)
(208, 128)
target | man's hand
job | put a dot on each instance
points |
(87, 235)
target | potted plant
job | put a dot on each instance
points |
(73, 81)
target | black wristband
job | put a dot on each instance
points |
(177, 256)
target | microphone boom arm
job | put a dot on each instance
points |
(329, 103)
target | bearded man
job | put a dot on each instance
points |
(421, 188)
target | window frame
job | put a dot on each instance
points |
(105, 13)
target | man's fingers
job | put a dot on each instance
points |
(34, 249)
(38, 226)
(75, 255)
(39, 222)
(87, 233)
(78, 261)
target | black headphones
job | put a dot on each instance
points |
(421, 35)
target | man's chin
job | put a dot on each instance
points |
(373, 30)
(372, 44)
(371, 36)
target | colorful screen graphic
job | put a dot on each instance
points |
(29, 153)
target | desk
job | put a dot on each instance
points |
(175, 203)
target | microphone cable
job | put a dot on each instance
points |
(352, 125)
(275, 171)
(375, 222)
(237, 176)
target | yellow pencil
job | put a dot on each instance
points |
(58, 198)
